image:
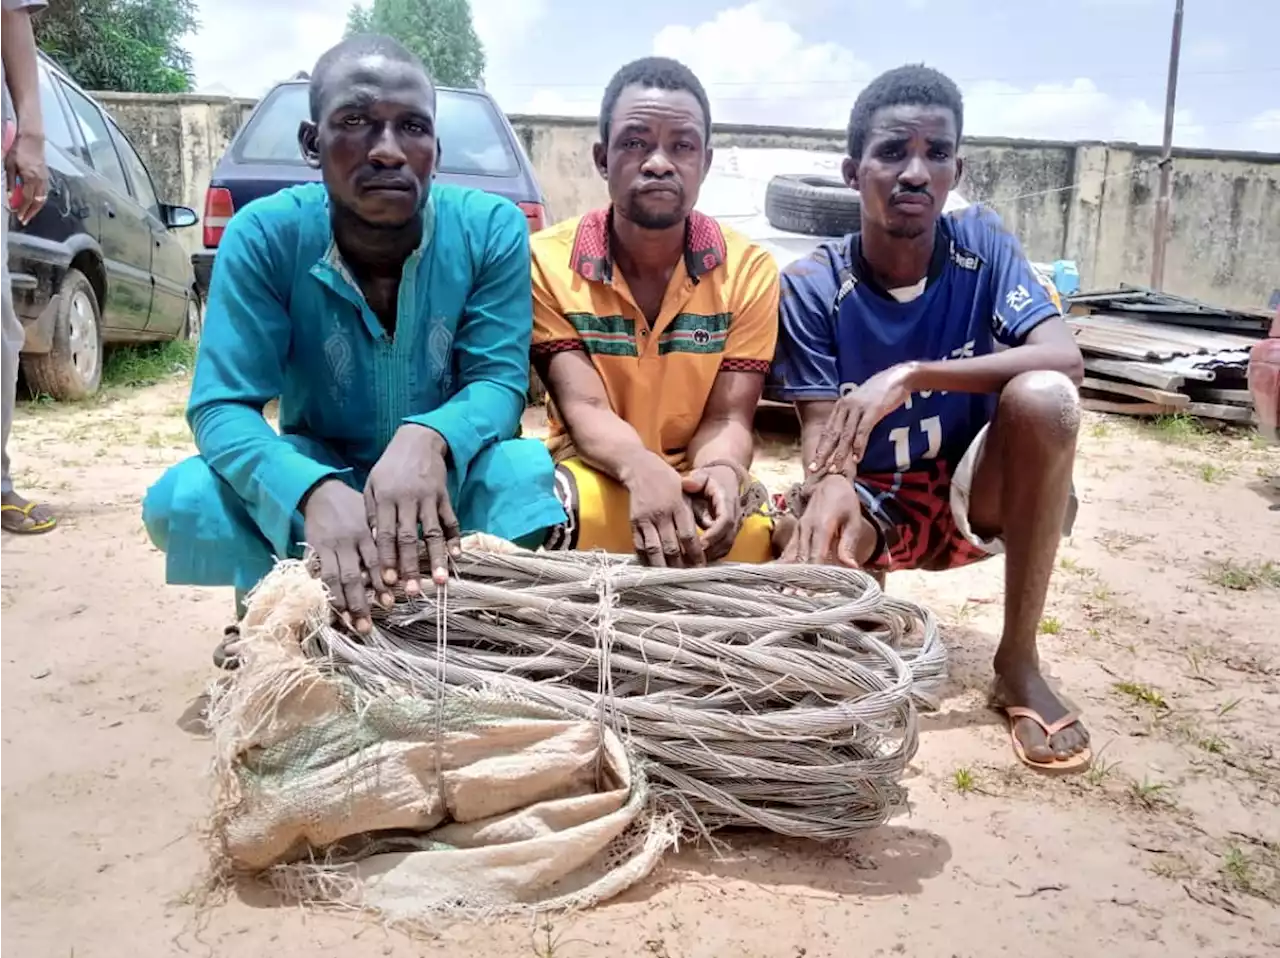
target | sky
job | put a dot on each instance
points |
(1056, 69)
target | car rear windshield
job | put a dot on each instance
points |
(472, 136)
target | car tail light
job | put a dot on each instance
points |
(218, 208)
(536, 214)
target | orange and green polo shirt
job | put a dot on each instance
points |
(720, 311)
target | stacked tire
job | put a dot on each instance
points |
(813, 205)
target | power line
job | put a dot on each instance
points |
(971, 81)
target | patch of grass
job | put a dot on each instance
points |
(1226, 708)
(1213, 474)
(1235, 867)
(1245, 576)
(132, 366)
(1199, 658)
(1050, 625)
(1177, 428)
(1117, 542)
(1150, 795)
(1075, 567)
(1210, 472)
(1093, 632)
(1173, 867)
(1255, 872)
(1213, 744)
(964, 781)
(1101, 770)
(546, 943)
(1100, 430)
(1142, 694)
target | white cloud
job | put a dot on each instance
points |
(245, 46)
(1264, 132)
(1070, 111)
(758, 69)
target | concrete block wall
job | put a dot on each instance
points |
(1091, 202)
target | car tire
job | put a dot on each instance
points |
(193, 325)
(72, 369)
(813, 205)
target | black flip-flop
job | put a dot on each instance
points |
(223, 657)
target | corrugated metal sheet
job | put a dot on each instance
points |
(1170, 347)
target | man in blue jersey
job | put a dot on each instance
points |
(931, 365)
(392, 317)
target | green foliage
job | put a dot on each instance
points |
(129, 45)
(439, 31)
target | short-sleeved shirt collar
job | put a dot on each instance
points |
(591, 258)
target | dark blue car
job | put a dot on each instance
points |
(478, 148)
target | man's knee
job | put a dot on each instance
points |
(185, 480)
(1042, 405)
(509, 491)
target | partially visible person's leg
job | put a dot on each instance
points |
(17, 515)
(1018, 491)
(509, 492)
(207, 534)
(209, 537)
(599, 517)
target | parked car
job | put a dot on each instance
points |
(478, 149)
(99, 264)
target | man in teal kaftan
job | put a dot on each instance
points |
(392, 318)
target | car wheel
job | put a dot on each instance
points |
(193, 326)
(72, 369)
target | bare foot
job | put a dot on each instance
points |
(23, 517)
(1024, 686)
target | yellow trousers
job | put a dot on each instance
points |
(599, 511)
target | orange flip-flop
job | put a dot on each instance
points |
(1075, 763)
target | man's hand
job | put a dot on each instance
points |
(25, 162)
(407, 487)
(717, 508)
(844, 440)
(662, 523)
(335, 525)
(832, 518)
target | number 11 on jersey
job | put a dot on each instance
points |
(931, 426)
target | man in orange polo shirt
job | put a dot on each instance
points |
(654, 327)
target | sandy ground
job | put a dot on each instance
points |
(1167, 848)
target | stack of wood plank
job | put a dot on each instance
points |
(1151, 354)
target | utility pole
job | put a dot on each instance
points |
(1161, 236)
